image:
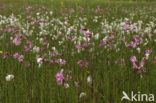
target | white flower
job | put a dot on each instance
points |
(154, 31)
(37, 13)
(82, 94)
(53, 48)
(89, 79)
(39, 61)
(138, 49)
(66, 85)
(36, 49)
(147, 56)
(50, 12)
(9, 77)
(97, 36)
(39, 65)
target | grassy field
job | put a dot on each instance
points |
(77, 51)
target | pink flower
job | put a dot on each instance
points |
(59, 78)
(134, 44)
(123, 61)
(26, 49)
(133, 59)
(143, 69)
(77, 84)
(88, 34)
(72, 11)
(78, 46)
(82, 30)
(138, 71)
(135, 66)
(27, 9)
(4, 55)
(149, 36)
(127, 22)
(81, 9)
(27, 64)
(8, 29)
(136, 29)
(42, 49)
(16, 55)
(85, 44)
(62, 62)
(45, 43)
(136, 38)
(148, 51)
(30, 44)
(20, 58)
(80, 62)
(112, 36)
(142, 63)
(17, 40)
(154, 60)
(86, 64)
(128, 45)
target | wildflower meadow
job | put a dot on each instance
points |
(77, 51)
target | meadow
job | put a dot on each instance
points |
(77, 51)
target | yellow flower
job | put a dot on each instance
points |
(1, 52)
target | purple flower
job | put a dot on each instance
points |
(133, 59)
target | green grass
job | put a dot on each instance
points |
(38, 85)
